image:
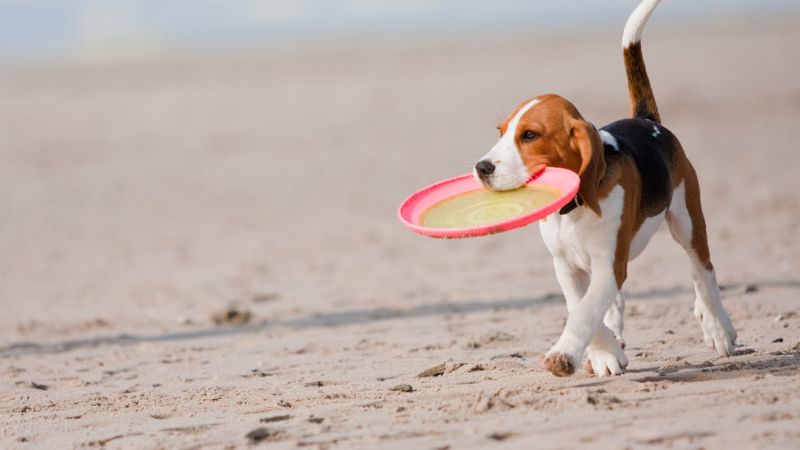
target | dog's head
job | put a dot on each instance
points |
(545, 131)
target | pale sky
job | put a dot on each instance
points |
(62, 29)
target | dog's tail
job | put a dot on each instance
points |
(643, 103)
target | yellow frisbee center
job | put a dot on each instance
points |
(484, 206)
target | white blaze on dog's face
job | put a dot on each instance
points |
(503, 169)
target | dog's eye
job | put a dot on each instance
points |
(529, 135)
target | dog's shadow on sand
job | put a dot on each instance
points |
(354, 317)
(775, 364)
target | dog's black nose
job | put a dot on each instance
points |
(484, 168)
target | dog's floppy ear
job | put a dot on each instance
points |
(586, 141)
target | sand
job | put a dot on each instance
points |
(204, 253)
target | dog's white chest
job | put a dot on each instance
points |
(576, 236)
(562, 238)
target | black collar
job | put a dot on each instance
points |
(574, 203)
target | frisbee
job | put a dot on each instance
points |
(462, 207)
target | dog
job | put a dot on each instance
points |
(634, 175)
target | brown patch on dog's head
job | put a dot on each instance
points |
(553, 133)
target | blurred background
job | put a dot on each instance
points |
(163, 159)
(99, 30)
(198, 230)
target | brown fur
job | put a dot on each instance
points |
(643, 102)
(560, 364)
(565, 140)
(686, 174)
(587, 141)
(632, 219)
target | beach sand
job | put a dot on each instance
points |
(194, 249)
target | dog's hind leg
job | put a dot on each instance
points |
(688, 228)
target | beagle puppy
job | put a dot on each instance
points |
(634, 175)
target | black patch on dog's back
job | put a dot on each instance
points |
(651, 146)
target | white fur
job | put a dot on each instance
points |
(605, 354)
(584, 247)
(574, 237)
(609, 139)
(718, 331)
(510, 171)
(637, 21)
(614, 318)
(656, 132)
(645, 232)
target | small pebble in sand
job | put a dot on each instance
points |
(315, 384)
(41, 387)
(402, 388)
(440, 369)
(751, 289)
(232, 316)
(775, 341)
(272, 419)
(263, 434)
(500, 436)
(257, 373)
(516, 355)
(594, 399)
(435, 371)
(316, 420)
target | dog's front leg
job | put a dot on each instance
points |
(583, 322)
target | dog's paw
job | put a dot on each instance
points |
(605, 362)
(559, 364)
(718, 331)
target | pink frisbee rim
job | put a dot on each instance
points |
(416, 204)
